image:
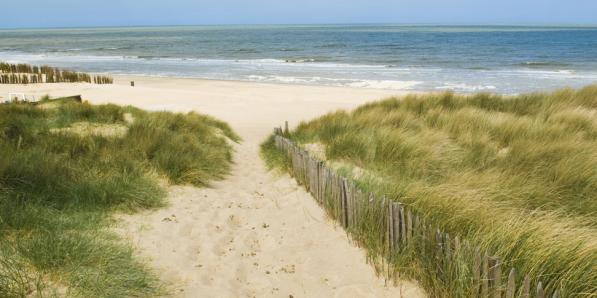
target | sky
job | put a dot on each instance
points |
(84, 13)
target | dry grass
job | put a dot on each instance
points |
(93, 129)
(514, 175)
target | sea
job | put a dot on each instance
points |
(504, 59)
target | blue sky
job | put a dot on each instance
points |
(77, 13)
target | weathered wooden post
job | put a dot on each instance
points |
(396, 225)
(526, 287)
(344, 203)
(511, 285)
(496, 277)
(540, 291)
(485, 277)
(477, 262)
(402, 225)
(447, 248)
(409, 225)
(390, 228)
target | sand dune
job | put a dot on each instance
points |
(255, 233)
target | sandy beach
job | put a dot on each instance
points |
(255, 233)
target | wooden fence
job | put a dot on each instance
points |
(27, 74)
(59, 77)
(398, 227)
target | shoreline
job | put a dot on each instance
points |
(235, 102)
(535, 76)
(126, 77)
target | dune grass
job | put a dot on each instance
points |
(58, 190)
(515, 175)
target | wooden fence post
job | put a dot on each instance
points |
(439, 251)
(409, 225)
(344, 198)
(391, 227)
(396, 224)
(511, 285)
(540, 291)
(417, 226)
(447, 247)
(477, 263)
(526, 287)
(485, 277)
(402, 225)
(496, 277)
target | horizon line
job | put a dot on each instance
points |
(572, 25)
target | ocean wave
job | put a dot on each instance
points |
(478, 68)
(396, 66)
(542, 64)
(316, 70)
(62, 50)
(355, 83)
(248, 61)
(308, 59)
(283, 79)
(300, 60)
(332, 46)
(112, 48)
(152, 57)
(461, 87)
(547, 73)
(71, 50)
(247, 51)
(385, 84)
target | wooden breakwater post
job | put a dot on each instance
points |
(27, 74)
(400, 227)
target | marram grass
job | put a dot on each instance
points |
(59, 187)
(516, 176)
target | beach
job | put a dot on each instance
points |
(255, 233)
(481, 184)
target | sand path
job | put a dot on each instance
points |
(255, 233)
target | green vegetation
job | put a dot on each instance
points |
(66, 167)
(516, 176)
(26, 74)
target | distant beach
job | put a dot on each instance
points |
(502, 59)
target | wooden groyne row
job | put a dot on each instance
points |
(56, 78)
(27, 74)
(391, 228)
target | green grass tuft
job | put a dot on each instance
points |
(59, 187)
(274, 159)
